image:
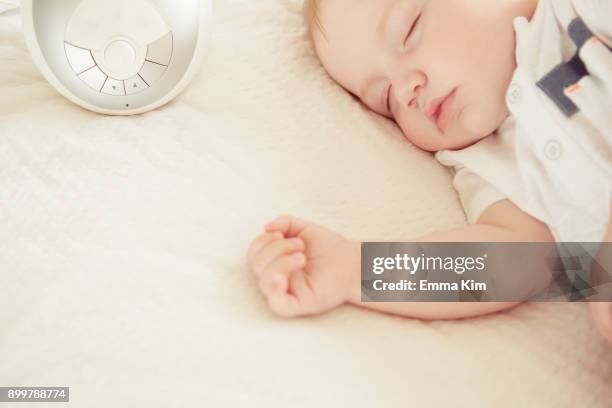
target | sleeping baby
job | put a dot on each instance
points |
(514, 96)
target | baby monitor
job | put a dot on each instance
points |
(117, 57)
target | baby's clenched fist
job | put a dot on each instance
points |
(303, 268)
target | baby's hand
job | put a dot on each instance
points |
(304, 269)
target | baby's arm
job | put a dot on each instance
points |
(305, 269)
(601, 312)
(502, 222)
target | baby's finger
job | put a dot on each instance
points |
(295, 304)
(274, 250)
(284, 304)
(279, 270)
(287, 224)
(301, 288)
(260, 242)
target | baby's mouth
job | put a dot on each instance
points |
(441, 109)
(436, 114)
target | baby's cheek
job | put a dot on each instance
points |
(420, 132)
(473, 120)
(480, 121)
(408, 127)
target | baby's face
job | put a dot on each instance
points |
(439, 68)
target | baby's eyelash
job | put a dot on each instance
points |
(416, 21)
(389, 98)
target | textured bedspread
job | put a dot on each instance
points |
(122, 242)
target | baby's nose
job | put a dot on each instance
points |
(408, 90)
(407, 97)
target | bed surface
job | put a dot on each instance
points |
(123, 240)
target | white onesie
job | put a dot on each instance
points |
(553, 155)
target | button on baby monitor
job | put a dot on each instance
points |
(119, 56)
(151, 72)
(514, 93)
(80, 59)
(161, 50)
(113, 87)
(94, 78)
(553, 150)
(135, 85)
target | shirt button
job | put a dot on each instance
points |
(514, 94)
(553, 150)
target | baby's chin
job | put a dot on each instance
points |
(471, 125)
(433, 141)
(458, 138)
(476, 124)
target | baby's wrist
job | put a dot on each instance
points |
(353, 271)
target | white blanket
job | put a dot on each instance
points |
(123, 240)
(8, 5)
